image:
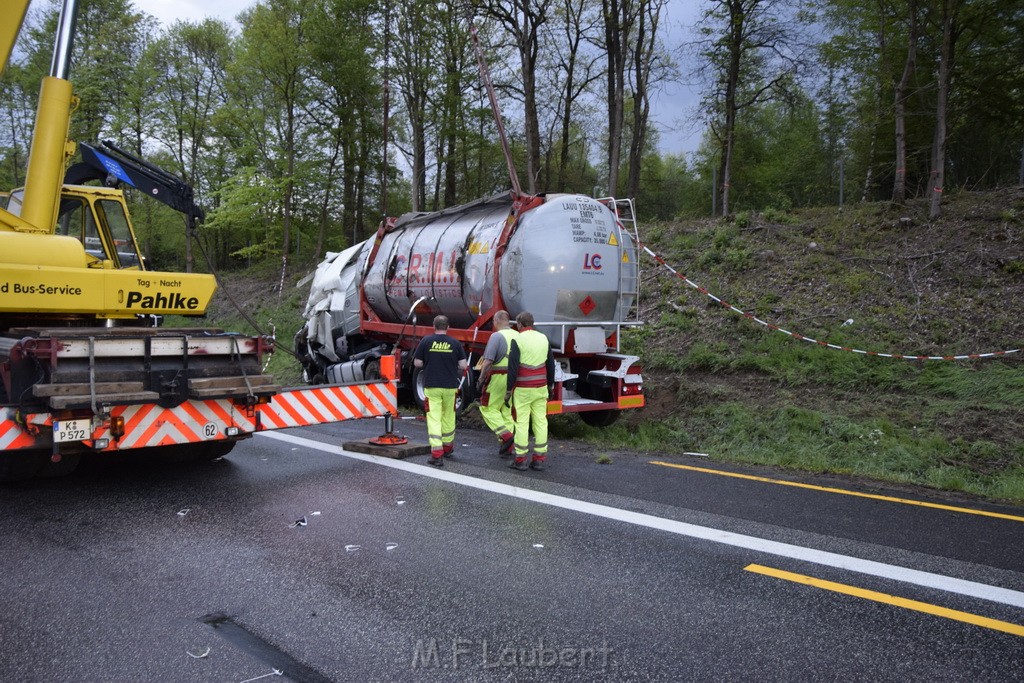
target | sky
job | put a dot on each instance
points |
(671, 110)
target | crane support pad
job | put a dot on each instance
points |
(388, 451)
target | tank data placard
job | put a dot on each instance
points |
(593, 230)
(589, 224)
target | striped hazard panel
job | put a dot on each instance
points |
(12, 436)
(191, 422)
(302, 407)
(149, 425)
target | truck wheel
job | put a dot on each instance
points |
(68, 464)
(214, 450)
(20, 465)
(599, 418)
(463, 398)
(419, 392)
(191, 452)
(467, 394)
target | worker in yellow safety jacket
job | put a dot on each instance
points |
(491, 385)
(531, 378)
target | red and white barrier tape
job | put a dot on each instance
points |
(800, 337)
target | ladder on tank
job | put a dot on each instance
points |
(629, 272)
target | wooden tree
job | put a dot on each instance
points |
(522, 20)
(575, 71)
(619, 18)
(899, 188)
(346, 112)
(646, 57)
(751, 47)
(270, 89)
(416, 72)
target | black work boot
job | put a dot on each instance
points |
(519, 464)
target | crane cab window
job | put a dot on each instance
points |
(76, 221)
(120, 232)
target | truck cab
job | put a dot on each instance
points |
(98, 218)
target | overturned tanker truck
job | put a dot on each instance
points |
(569, 259)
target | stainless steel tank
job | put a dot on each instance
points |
(566, 261)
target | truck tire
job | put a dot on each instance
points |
(599, 418)
(192, 452)
(214, 450)
(68, 463)
(20, 465)
(463, 398)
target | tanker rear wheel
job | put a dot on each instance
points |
(599, 418)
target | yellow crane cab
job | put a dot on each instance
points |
(98, 218)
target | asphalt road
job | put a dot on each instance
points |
(623, 571)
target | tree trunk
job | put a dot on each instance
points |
(938, 172)
(736, 17)
(882, 41)
(616, 30)
(643, 56)
(899, 187)
(532, 122)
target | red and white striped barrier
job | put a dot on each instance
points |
(198, 421)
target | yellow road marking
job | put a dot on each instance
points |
(925, 607)
(827, 489)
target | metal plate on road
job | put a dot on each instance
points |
(71, 430)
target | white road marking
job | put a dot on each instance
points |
(973, 589)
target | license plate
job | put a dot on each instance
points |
(72, 430)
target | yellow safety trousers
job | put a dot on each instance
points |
(440, 419)
(531, 406)
(496, 414)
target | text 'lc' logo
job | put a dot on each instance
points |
(591, 262)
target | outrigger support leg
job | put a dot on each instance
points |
(389, 437)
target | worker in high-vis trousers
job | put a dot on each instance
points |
(442, 362)
(492, 385)
(531, 378)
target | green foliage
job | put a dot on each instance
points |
(818, 441)
(647, 436)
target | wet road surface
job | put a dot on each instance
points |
(587, 571)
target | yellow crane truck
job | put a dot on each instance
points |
(83, 367)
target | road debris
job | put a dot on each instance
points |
(273, 672)
(298, 523)
(199, 656)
